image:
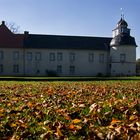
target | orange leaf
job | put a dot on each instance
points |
(115, 121)
(1, 110)
(24, 125)
(71, 126)
(76, 121)
(30, 105)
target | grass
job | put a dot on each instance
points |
(70, 109)
(20, 78)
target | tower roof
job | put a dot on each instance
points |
(122, 22)
(123, 39)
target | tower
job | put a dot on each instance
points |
(122, 51)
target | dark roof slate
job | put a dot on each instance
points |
(66, 42)
(122, 22)
(123, 39)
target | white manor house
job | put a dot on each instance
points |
(59, 55)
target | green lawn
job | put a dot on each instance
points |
(18, 78)
(70, 109)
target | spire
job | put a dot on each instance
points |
(122, 13)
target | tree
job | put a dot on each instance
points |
(13, 27)
(138, 66)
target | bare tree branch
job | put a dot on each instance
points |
(13, 27)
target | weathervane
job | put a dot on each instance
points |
(122, 13)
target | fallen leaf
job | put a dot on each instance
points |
(71, 126)
(59, 133)
(76, 121)
(29, 104)
(115, 121)
(92, 107)
(132, 117)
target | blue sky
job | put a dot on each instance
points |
(72, 17)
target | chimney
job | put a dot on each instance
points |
(26, 32)
(3, 22)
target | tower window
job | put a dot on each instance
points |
(122, 57)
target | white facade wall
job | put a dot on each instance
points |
(39, 63)
(120, 67)
(11, 61)
(81, 63)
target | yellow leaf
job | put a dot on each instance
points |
(59, 132)
(133, 117)
(13, 125)
(15, 99)
(9, 104)
(76, 121)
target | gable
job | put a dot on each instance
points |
(9, 39)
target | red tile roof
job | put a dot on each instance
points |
(9, 39)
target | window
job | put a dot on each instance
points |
(72, 57)
(1, 68)
(72, 69)
(91, 57)
(15, 68)
(59, 69)
(29, 56)
(122, 30)
(122, 57)
(101, 58)
(15, 55)
(38, 56)
(52, 56)
(1, 55)
(59, 56)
